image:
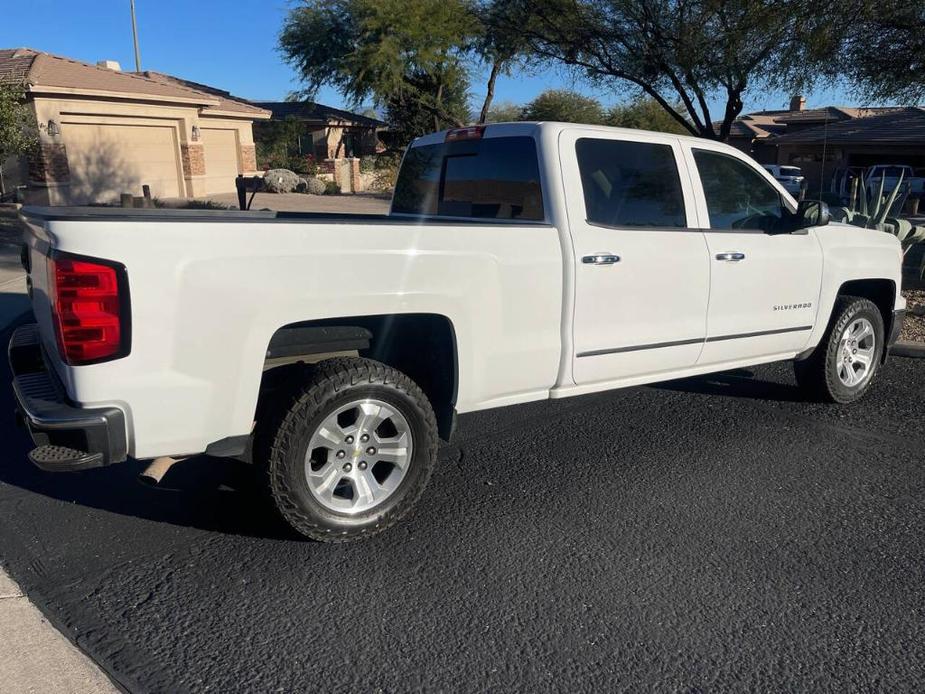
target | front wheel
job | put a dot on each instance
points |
(353, 452)
(847, 359)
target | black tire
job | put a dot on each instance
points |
(331, 385)
(818, 375)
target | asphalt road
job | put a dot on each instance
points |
(712, 534)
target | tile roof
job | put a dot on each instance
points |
(40, 70)
(309, 110)
(891, 126)
(226, 102)
(764, 125)
(43, 70)
(15, 64)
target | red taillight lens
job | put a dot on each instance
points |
(87, 309)
(473, 132)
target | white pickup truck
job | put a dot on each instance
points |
(519, 262)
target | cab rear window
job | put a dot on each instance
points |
(492, 178)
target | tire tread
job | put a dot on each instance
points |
(328, 379)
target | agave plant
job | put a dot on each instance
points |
(869, 209)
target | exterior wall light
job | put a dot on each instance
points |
(195, 135)
(53, 129)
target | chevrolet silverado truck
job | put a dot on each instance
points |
(519, 262)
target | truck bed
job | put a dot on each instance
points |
(118, 214)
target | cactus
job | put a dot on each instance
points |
(870, 210)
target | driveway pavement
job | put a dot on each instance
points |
(34, 656)
(711, 534)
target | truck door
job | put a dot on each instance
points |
(641, 269)
(764, 286)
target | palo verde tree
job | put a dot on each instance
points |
(18, 132)
(884, 54)
(404, 54)
(683, 54)
(564, 106)
(645, 114)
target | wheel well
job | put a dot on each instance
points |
(422, 346)
(881, 292)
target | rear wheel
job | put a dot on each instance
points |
(353, 452)
(847, 359)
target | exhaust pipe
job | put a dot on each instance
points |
(155, 472)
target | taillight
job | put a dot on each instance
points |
(89, 306)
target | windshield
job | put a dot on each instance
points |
(889, 171)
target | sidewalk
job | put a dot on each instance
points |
(34, 656)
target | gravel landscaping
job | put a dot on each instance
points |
(914, 325)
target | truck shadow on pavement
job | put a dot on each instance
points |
(203, 492)
(739, 383)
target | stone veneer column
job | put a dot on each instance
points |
(194, 159)
(248, 158)
(354, 174)
(49, 164)
(49, 175)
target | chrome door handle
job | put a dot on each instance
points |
(601, 259)
(732, 256)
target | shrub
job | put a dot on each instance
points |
(316, 186)
(204, 205)
(281, 181)
(385, 171)
(331, 188)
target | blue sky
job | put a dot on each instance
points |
(231, 44)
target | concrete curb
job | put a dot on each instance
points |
(36, 657)
(913, 350)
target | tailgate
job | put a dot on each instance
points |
(35, 260)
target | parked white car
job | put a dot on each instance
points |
(790, 177)
(891, 173)
(520, 262)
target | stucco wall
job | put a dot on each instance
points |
(105, 171)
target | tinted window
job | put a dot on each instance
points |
(630, 184)
(790, 171)
(494, 178)
(738, 197)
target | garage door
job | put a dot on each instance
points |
(221, 149)
(108, 159)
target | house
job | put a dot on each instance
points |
(894, 136)
(103, 132)
(329, 133)
(831, 137)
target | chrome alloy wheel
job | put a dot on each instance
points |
(358, 456)
(856, 351)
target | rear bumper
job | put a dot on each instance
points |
(67, 437)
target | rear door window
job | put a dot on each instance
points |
(630, 184)
(489, 178)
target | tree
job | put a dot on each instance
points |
(683, 53)
(504, 112)
(500, 44)
(884, 54)
(408, 120)
(644, 114)
(566, 106)
(395, 52)
(18, 131)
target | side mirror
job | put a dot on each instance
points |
(812, 213)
